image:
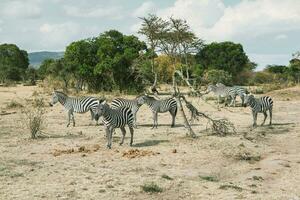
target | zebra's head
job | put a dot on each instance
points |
(147, 99)
(210, 88)
(140, 100)
(220, 85)
(248, 99)
(54, 99)
(102, 108)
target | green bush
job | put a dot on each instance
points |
(214, 76)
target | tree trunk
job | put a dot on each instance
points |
(177, 97)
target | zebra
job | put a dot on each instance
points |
(237, 90)
(161, 106)
(116, 118)
(222, 91)
(133, 104)
(78, 105)
(260, 105)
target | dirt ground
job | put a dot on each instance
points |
(73, 163)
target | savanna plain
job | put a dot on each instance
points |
(164, 163)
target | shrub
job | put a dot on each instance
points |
(14, 104)
(218, 76)
(151, 188)
(34, 118)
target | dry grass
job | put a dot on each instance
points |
(14, 105)
(151, 188)
(34, 118)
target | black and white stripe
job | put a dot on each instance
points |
(222, 91)
(133, 104)
(260, 105)
(77, 105)
(161, 106)
(116, 118)
(228, 92)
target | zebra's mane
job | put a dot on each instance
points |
(60, 93)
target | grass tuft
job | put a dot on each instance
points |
(165, 176)
(209, 178)
(14, 104)
(230, 186)
(151, 188)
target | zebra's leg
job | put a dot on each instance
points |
(123, 134)
(73, 119)
(109, 137)
(154, 119)
(69, 116)
(92, 114)
(131, 135)
(270, 111)
(134, 120)
(242, 98)
(254, 118)
(173, 118)
(234, 101)
(265, 117)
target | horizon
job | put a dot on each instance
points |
(268, 35)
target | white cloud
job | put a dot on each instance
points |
(280, 37)
(212, 20)
(21, 9)
(146, 8)
(199, 13)
(93, 12)
(58, 36)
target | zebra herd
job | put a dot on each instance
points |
(123, 112)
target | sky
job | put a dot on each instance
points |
(269, 30)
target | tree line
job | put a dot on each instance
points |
(114, 61)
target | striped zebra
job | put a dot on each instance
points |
(260, 105)
(77, 105)
(161, 106)
(237, 91)
(116, 118)
(133, 104)
(221, 91)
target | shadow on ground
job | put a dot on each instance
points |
(148, 143)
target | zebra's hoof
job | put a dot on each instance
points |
(130, 144)
(108, 146)
(121, 143)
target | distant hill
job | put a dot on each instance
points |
(36, 58)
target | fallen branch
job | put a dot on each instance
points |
(8, 113)
(220, 127)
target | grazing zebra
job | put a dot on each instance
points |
(237, 91)
(161, 106)
(78, 105)
(222, 91)
(133, 104)
(260, 105)
(116, 118)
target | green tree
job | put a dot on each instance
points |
(294, 70)
(13, 62)
(116, 53)
(226, 56)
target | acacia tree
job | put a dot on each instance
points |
(152, 27)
